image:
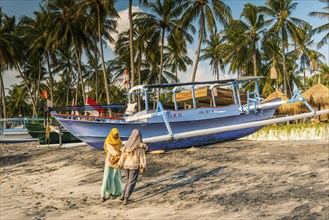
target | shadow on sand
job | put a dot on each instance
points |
(14, 159)
(182, 177)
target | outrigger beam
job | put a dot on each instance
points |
(232, 127)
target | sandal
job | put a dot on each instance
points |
(125, 201)
(122, 197)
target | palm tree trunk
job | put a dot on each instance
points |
(34, 109)
(198, 51)
(102, 57)
(139, 76)
(304, 75)
(132, 69)
(68, 84)
(96, 71)
(255, 64)
(176, 70)
(50, 80)
(216, 72)
(161, 55)
(80, 73)
(284, 67)
(77, 93)
(36, 95)
(3, 100)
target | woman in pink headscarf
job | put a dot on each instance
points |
(133, 160)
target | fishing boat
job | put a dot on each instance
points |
(17, 132)
(51, 135)
(164, 128)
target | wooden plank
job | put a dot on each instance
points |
(222, 96)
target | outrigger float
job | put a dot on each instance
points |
(178, 128)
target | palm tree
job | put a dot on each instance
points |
(303, 51)
(175, 56)
(323, 28)
(211, 52)
(231, 50)
(39, 32)
(131, 31)
(69, 27)
(35, 34)
(283, 24)
(323, 71)
(206, 11)
(7, 25)
(105, 12)
(253, 25)
(161, 23)
(69, 68)
(18, 101)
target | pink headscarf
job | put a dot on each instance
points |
(133, 142)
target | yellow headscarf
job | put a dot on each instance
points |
(116, 143)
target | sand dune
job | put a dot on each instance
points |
(239, 179)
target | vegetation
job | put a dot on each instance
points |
(60, 49)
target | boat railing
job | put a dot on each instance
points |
(89, 117)
(297, 97)
(254, 98)
(16, 122)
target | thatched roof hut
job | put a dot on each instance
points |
(320, 96)
(317, 96)
(285, 108)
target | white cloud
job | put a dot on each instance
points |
(123, 23)
(10, 78)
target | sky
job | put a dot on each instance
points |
(18, 8)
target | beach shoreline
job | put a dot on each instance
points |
(237, 179)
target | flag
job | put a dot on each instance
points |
(126, 78)
(91, 102)
(44, 94)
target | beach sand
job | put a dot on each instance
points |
(232, 180)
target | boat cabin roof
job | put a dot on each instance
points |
(220, 82)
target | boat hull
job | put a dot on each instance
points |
(94, 133)
(39, 132)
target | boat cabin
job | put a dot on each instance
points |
(197, 94)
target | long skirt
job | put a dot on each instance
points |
(112, 181)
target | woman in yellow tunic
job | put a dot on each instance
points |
(112, 182)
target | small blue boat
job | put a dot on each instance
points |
(178, 128)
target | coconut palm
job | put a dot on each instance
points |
(131, 31)
(323, 73)
(7, 25)
(206, 12)
(304, 52)
(105, 13)
(18, 101)
(160, 24)
(253, 24)
(34, 33)
(231, 50)
(175, 57)
(211, 52)
(325, 27)
(69, 27)
(68, 67)
(283, 24)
